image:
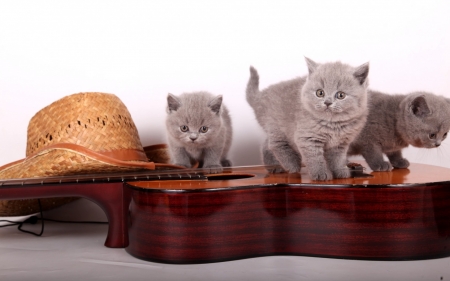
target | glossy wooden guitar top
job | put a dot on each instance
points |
(246, 212)
(258, 175)
(194, 216)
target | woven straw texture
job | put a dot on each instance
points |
(10, 208)
(97, 121)
(158, 153)
(64, 162)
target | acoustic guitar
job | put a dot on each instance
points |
(193, 216)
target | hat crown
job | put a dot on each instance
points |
(97, 121)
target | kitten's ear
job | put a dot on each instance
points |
(215, 104)
(173, 103)
(419, 107)
(312, 65)
(361, 73)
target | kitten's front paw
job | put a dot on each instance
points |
(226, 163)
(343, 173)
(400, 163)
(381, 167)
(214, 169)
(292, 168)
(321, 175)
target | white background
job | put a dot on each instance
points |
(142, 50)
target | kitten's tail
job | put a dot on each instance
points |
(252, 86)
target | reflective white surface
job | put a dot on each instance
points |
(76, 252)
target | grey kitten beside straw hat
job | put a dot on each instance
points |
(83, 133)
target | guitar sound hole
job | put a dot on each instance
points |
(224, 177)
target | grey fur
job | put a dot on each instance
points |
(196, 110)
(303, 127)
(397, 121)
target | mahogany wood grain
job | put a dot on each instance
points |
(246, 212)
(399, 215)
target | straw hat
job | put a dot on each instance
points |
(83, 133)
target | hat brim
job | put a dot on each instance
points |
(71, 159)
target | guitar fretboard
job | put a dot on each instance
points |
(134, 176)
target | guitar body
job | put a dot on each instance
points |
(191, 216)
(246, 212)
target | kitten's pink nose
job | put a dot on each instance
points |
(193, 136)
(327, 103)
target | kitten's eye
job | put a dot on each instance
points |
(184, 128)
(432, 136)
(340, 95)
(203, 129)
(320, 93)
(445, 135)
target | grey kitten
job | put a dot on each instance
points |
(199, 129)
(419, 119)
(312, 118)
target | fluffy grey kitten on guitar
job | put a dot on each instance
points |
(419, 119)
(199, 130)
(312, 118)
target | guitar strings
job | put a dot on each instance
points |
(35, 219)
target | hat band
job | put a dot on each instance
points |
(118, 154)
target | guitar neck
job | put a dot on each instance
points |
(190, 174)
(146, 175)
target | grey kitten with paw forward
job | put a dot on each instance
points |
(199, 130)
(419, 119)
(312, 118)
